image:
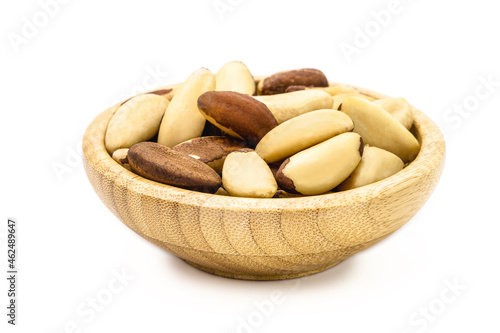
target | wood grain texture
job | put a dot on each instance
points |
(264, 239)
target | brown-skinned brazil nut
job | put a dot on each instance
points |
(211, 150)
(163, 164)
(279, 82)
(239, 115)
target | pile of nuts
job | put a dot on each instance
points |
(287, 135)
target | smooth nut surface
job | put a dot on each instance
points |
(211, 150)
(302, 132)
(376, 164)
(336, 89)
(279, 82)
(239, 115)
(399, 108)
(339, 98)
(290, 105)
(245, 174)
(235, 76)
(165, 165)
(333, 90)
(135, 121)
(182, 120)
(378, 128)
(322, 167)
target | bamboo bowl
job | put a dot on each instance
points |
(264, 239)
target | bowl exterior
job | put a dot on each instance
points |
(264, 239)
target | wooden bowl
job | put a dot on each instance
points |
(264, 239)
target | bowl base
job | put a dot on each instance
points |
(259, 277)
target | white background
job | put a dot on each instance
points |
(89, 54)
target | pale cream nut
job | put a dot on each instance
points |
(302, 132)
(339, 98)
(290, 105)
(136, 120)
(235, 76)
(322, 167)
(338, 88)
(245, 174)
(378, 128)
(333, 90)
(182, 120)
(337, 91)
(376, 164)
(399, 108)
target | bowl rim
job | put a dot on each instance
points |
(430, 157)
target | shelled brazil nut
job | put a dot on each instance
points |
(322, 167)
(235, 76)
(281, 137)
(399, 108)
(376, 164)
(378, 128)
(181, 120)
(135, 121)
(302, 132)
(246, 174)
(290, 105)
